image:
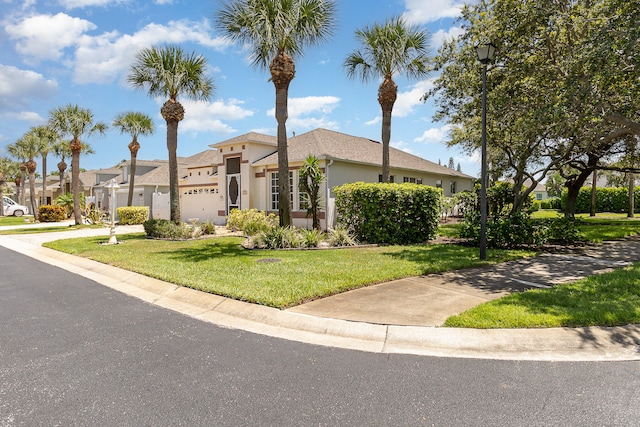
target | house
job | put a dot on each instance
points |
(241, 172)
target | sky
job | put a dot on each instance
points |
(59, 52)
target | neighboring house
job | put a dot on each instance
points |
(242, 173)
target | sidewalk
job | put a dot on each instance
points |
(402, 316)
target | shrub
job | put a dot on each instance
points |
(166, 229)
(310, 238)
(95, 216)
(66, 200)
(52, 213)
(607, 199)
(131, 215)
(389, 213)
(342, 236)
(278, 238)
(208, 228)
(250, 221)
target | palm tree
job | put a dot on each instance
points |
(29, 146)
(48, 138)
(278, 31)
(133, 123)
(394, 47)
(310, 180)
(73, 121)
(18, 179)
(169, 72)
(8, 168)
(61, 150)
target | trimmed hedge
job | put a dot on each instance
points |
(607, 200)
(132, 215)
(389, 213)
(52, 213)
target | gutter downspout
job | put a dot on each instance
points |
(329, 224)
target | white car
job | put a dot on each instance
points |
(12, 208)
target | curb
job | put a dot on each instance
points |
(553, 344)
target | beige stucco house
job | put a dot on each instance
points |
(241, 172)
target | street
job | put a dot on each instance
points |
(73, 352)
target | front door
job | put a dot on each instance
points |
(233, 192)
(233, 183)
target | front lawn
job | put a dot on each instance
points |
(608, 299)
(274, 278)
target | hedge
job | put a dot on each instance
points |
(52, 213)
(607, 199)
(131, 215)
(389, 213)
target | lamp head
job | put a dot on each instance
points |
(485, 52)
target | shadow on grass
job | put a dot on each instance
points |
(212, 249)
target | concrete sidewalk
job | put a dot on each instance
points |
(396, 317)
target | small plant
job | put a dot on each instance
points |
(95, 216)
(342, 236)
(310, 238)
(66, 200)
(250, 221)
(278, 238)
(166, 229)
(208, 228)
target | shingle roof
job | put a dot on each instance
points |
(325, 143)
(207, 157)
(250, 137)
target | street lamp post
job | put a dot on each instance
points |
(113, 186)
(485, 54)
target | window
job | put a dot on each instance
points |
(274, 189)
(419, 181)
(391, 178)
(453, 187)
(438, 183)
(233, 165)
(538, 196)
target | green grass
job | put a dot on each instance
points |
(221, 266)
(37, 230)
(14, 220)
(608, 299)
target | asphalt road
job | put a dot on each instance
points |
(74, 353)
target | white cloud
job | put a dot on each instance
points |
(375, 121)
(203, 116)
(18, 86)
(25, 116)
(72, 4)
(421, 12)
(401, 145)
(44, 37)
(408, 100)
(434, 135)
(439, 37)
(103, 58)
(310, 112)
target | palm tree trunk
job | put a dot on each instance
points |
(31, 169)
(632, 181)
(23, 183)
(44, 179)
(3, 181)
(284, 196)
(283, 70)
(172, 148)
(387, 95)
(75, 179)
(386, 137)
(133, 149)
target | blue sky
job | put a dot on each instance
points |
(57, 52)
